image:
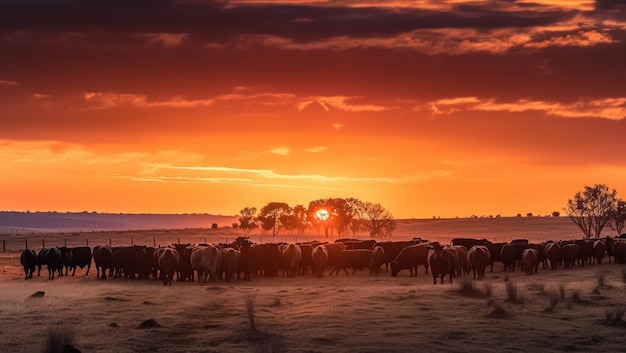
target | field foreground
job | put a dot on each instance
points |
(360, 313)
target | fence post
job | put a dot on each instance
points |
(87, 241)
(205, 240)
(4, 246)
(132, 242)
(154, 241)
(43, 243)
(110, 242)
(26, 243)
(178, 240)
(65, 241)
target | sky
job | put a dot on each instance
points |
(432, 108)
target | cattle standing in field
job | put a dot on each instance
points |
(335, 252)
(541, 251)
(479, 257)
(319, 259)
(610, 246)
(619, 252)
(168, 263)
(468, 243)
(393, 248)
(553, 253)
(355, 259)
(530, 261)
(494, 249)
(511, 254)
(291, 256)
(28, 259)
(378, 256)
(51, 257)
(265, 259)
(305, 263)
(81, 257)
(244, 260)
(599, 250)
(127, 261)
(102, 258)
(410, 258)
(67, 258)
(184, 272)
(207, 261)
(585, 251)
(569, 254)
(442, 261)
(230, 263)
(463, 265)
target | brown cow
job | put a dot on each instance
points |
(599, 250)
(319, 259)
(410, 258)
(553, 254)
(230, 263)
(442, 261)
(569, 254)
(206, 260)
(378, 256)
(291, 256)
(479, 257)
(354, 258)
(463, 266)
(530, 261)
(168, 263)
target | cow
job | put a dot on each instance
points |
(102, 258)
(230, 263)
(511, 254)
(619, 252)
(305, 263)
(442, 261)
(494, 249)
(319, 259)
(81, 257)
(410, 258)
(585, 251)
(610, 245)
(265, 259)
(393, 248)
(463, 265)
(168, 261)
(599, 250)
(51, 257)
(530, 261)
(291, 256)
(353, 244)
(541, 251)
(127, 261)
(553, 253)
(468, 243)
(67, 258)
(335, 252)
(184, 271)
(356, 259)
(378, 256)
(206, 261)
(28, 259)
(569, 254)
(479, 257)
(244, 256)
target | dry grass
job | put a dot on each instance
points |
(467, 288)
(488, 288)
(614, 316)
(513, 295)
(59, 340)
(554, 297)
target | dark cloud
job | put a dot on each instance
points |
(216, 21)
(610, 4)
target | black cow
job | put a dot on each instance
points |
(468, 242)
(102, 258)
(184, 271)
(126, 260)
(511, 254)
(82, 257)
(51, 257)
(28, 259)
(67, 258)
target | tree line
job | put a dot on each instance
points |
(595, 208)
(333, 215)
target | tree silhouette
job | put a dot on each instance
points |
(247, 222)
(591, 209)
(378, 221)
(274, 216)
(618, 217)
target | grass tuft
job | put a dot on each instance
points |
(511, 292)
(600, 278)
(554, 297)
(562, 290)
(250, 314)
(498, 311)
(488, 288)
(614, 317)
(59, 339)
(467, 288)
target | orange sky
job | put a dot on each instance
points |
(431, 108)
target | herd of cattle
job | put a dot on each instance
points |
(244, 259)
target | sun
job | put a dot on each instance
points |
(322, 214)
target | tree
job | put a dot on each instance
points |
(298, 219)
(357, 221)
(274, 216)
(378, 221)
(247, 221)
(556, 214)
(591, 209)
(618, 217)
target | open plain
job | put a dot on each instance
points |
(576, 309)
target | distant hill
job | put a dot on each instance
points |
(21, 222)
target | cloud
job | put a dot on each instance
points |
(282, 151)
(7, 83)
(316, 149)
(605, 108)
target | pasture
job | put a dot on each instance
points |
(576, 309)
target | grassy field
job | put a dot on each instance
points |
(577, 309)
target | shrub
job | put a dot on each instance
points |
(554, 296)
(250, 313)
(511, 292)
(59, 339)
(488, 288)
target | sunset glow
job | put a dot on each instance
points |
(430, 108)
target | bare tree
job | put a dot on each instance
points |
(618, 218)
(591, 209)
(378, 221)
(247, 222)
